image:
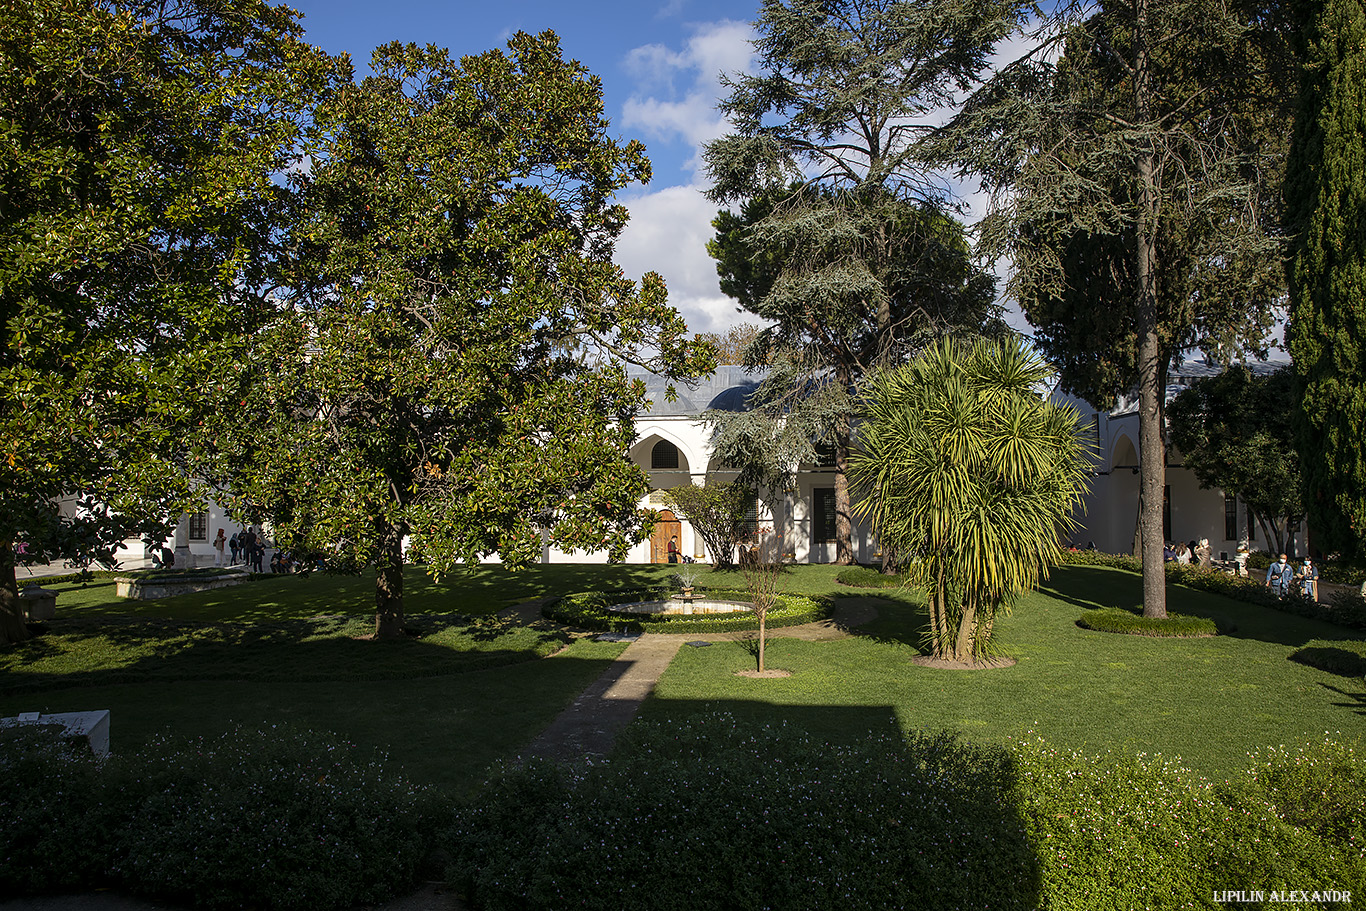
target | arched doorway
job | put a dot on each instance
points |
(667, 527)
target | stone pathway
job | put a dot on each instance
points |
(588, 728)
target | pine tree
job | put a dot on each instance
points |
(1326, 211)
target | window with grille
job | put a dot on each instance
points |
(823, 515)
(664, 455)
(199, 526)
(1230, 518)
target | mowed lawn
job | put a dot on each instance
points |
(471, 691)
(1208, 701)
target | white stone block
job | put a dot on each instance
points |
(92, 727)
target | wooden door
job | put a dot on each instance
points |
(667, 527)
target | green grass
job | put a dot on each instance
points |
(1209, 701)
(469, 692)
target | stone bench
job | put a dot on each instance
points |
(91, 727)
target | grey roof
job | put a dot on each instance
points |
(725, 389)
(1180, 378)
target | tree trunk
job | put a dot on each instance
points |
(763, 616)
(844, 526)
(962, 648)
(12, 626)
(1152, 448)
(389, 584)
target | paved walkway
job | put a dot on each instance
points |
(590, 725)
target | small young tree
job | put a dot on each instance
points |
(1235, 431)
(717, 512)
(761, 578)
(969, 471)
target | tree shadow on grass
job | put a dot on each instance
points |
(105, 650)
(1092, 587)
(1356, 701)
(476, 591)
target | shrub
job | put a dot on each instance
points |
(1131, 833)
(1119, 620)
(1320, 787)
(713, 814)
(590, 610)
(57, 828)
(281, 819)
(1347, 608)
(1344, 657)
(868, 577)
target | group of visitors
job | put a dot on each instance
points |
(245, 546)
(1197, 552)
(1282, 578)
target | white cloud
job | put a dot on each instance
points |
(668, 234)
(677, 90)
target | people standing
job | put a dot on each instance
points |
(218, 544)
(673, 549)
(1279, 577)
(1309, 580)
(235, 545)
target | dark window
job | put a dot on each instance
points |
(823, 515)
(1167, 512)
(751, 520)
(199, 526)
(825, 455)
(664, 455)
(1230, 518)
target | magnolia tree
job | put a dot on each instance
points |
(450, 368)
(967, 469)
(139, 147)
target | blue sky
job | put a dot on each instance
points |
(659, 64)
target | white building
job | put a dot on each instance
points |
(1189, 511)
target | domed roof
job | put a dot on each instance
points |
(733, 398)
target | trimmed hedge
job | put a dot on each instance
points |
(711, 814)
(589, 610)
(1119, 620)
(1138, 833)
(1344, 657)
(278, 819)
(867, 577)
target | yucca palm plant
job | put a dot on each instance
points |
(965, 467)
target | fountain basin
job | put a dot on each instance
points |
(672, 607)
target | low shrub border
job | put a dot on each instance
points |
(281, 818)
(1346, 609)
(589, 610)
(1119, 620)
(685, 817)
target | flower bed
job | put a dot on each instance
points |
(592, 610)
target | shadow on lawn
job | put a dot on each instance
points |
(106, 650)
(1091, 587)
(1355, 701)
(480, 590)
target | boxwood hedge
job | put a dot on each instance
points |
(591, 610)
(1119, 620)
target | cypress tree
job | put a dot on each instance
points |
(1326, 209)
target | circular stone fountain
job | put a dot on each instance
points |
(682, 604)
